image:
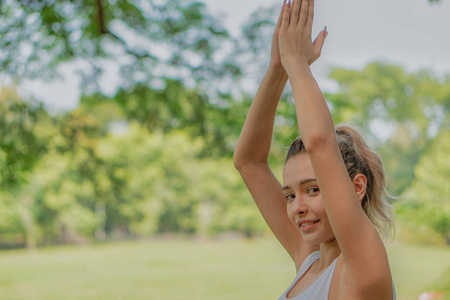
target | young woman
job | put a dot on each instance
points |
(333, 188)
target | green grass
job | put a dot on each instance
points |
(178, 269)
(420, 268)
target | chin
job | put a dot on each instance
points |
(316, 240)
(312, 243)
(312, 240)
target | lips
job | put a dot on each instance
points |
(306, 224)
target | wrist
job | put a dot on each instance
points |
(276, 69)
(296, 67)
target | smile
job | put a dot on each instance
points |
(305, 225)
(308, 223)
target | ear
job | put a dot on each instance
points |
(360, 184)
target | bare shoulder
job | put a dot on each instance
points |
(348, 284)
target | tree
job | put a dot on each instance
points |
(174, 107)
(145, 39)
(178, 64)
(426, 202)
(400, 112)
(25, 128)
(22, 140)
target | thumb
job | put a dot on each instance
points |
(320, 40)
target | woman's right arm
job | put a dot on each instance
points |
(251, 158)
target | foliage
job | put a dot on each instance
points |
(155, 157)
(406, 116)
(106, 175)
(25, 129)
(174, 107)
(400, 112)
(426, 202)
(158, 160)
(144, 39)
(22, 141)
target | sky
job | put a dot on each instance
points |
(411, 33)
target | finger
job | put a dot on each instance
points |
(320, 40)
(280, 18)
(310, 19)
(295, 11)
(303, 13)
(286, 16)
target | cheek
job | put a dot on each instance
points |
(289, 212)
(318, 205)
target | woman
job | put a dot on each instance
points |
(333, 183)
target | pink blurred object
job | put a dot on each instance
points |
(430, 295)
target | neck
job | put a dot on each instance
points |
(328, 252)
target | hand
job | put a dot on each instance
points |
(275, 60)
(294, 37)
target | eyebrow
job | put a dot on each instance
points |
(302, 182)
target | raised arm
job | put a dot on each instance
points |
(251, 157)
(365, 261)
(254, 142)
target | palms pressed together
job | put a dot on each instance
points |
(292, 36)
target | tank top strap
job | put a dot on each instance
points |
(307, 263)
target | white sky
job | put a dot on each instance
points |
(412, 33)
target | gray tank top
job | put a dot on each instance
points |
(320, 288)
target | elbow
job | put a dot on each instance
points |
(238, 161)
(242, 162)
(318, 140)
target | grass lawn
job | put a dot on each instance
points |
(178, 269)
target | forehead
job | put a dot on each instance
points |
(297, 168)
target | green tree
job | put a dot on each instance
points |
(82, 133)
(426, 203)
(159, 171)
(171, 108)
(225, 203)
(65, 203)
(145, 39)
(25, 128)
(411, 107)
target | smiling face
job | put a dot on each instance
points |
(305, 207)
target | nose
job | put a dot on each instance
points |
(299, 206)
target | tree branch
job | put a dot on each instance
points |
(101, 18)
(104, 30)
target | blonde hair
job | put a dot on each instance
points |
(360, 159)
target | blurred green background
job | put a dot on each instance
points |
(133, 194)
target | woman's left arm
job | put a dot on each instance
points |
(365, 259)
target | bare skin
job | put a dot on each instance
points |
(252, 152)
(329, 197)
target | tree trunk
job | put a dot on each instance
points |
(100, 211)
(27, 218)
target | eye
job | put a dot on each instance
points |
(312, 191)
(289, 197)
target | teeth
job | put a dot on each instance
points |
(307, 224)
